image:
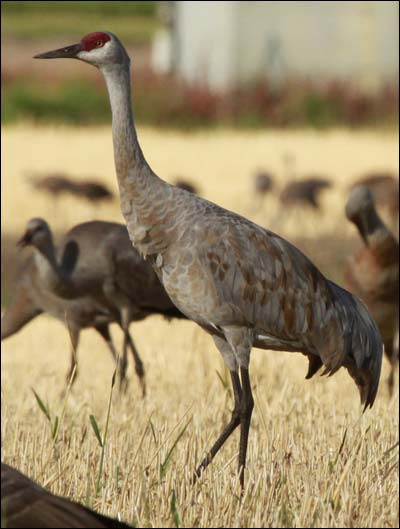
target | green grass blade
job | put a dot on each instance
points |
(164, 465)
(224, 379)
(96, 429)
(103, 444)
(42, 405)
(55, 427)
(64, 406)
(174, 510)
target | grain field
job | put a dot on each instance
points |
(314, 459)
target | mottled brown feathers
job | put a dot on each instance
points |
(372, 273)
(24, 503)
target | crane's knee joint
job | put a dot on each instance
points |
(139, 369)
(246, 405)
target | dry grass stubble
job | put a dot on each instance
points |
(299, 473)
(314, 460)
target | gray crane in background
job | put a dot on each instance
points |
(372, 273)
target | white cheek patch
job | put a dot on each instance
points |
(84, 55)
(96, 54)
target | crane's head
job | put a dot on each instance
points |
(101, 48)
(360, 209)
(360, 199)
(37, 234)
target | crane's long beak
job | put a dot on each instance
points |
(24, 240)
(69, 52)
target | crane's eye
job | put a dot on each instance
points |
(99, 43)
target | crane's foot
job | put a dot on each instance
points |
(197, 473)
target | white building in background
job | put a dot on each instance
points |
(223, 43)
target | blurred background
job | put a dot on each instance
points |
(244, 101)
(242, 64)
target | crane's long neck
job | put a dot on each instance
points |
(53, 275)
(143, 195)
(127, 152)
(377, 236)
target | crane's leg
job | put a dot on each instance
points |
(123, 364)
(104, 332)
(246, 410)
(390, 381)
(229, 428)
(393, 359)
(241, 341)
(73, 370)
(393, 355)
(139, 369)
(235, 350)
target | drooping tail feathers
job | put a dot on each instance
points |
(362, 343)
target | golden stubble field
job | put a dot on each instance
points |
(314, 460)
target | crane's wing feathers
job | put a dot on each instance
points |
(24, 503)
(284, 297)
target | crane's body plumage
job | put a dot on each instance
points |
(222, 270)
(24, 503)
(372, 272)
(93, 278)
(30, 298)
(243, 284)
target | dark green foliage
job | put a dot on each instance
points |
(146, 8)
(134, 22)
(163, 101)
(73, 102)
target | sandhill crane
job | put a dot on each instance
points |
(244, 285)
(300, 191)
(96, 259)
(297, 195)
(263, 183)
(30, 298)
(184, 184)
(304, 192)
(24, 503)
(57, 184)
(384, 187)
(92, 190)
(372, 273)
